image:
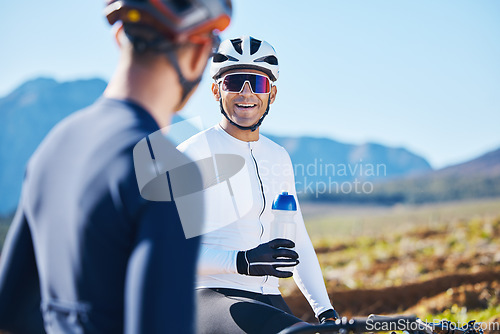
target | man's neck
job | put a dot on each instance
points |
(244, 135)
(154, 87)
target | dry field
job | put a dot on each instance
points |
(436, 261)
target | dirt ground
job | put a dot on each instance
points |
(451, 268)
(467, 290)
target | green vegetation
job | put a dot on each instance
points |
(420, 190)
(419, 254)
(439, 261)
(336, 222)
(461, 315)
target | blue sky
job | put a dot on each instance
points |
(422, 74)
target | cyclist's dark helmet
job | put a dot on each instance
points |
(177, 20)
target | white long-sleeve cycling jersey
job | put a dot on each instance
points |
(245, 204)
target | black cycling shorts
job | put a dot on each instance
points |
(231, 311)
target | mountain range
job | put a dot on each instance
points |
(26, 116)
(324, 162)
(29, 112)
(476, 178)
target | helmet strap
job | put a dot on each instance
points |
(168, 49)
(187, 85)
(252, 127)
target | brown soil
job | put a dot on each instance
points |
(469, 290)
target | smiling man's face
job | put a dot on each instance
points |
(244, 108)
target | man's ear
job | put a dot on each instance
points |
(119, 34)
(274, 91)
(215, 91)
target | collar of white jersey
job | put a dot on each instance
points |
(237, 141)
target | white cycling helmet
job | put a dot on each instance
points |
(245, 52)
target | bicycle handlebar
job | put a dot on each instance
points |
(378, 323)
(446, 327)
(356, 325)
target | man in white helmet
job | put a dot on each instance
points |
(239, 265)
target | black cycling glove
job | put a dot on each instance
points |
(328, 316)
(265, 258)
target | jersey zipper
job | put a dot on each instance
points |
(261, 191)
(263, 203)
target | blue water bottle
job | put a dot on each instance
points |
(284, 209)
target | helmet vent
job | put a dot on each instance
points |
(271, 60)
(254, 45)
(181, 6)
(219, 58)
(237, 45)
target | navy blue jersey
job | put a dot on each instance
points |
(85, 252)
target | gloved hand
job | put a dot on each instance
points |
(265, 258)
(328, 316)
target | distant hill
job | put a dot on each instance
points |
(26, 116)
(476, 178)
(486, 165)
(29, 112)
(325, 160)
